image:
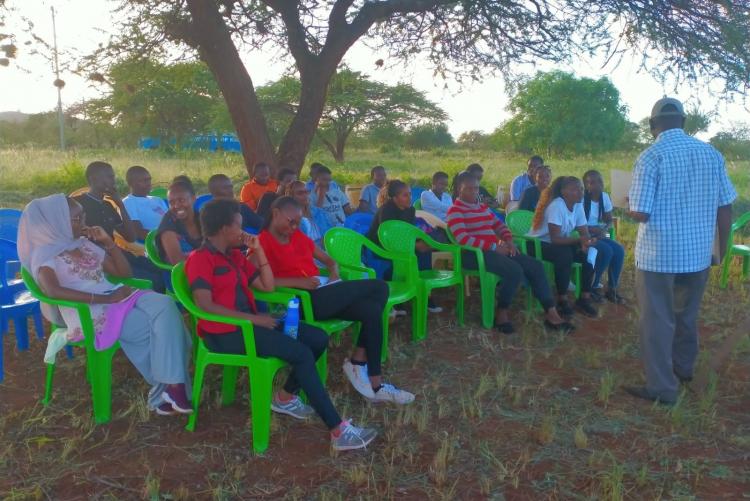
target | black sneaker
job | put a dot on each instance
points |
(613, 297)
(596, 297)
(585, 307)
(564, 309)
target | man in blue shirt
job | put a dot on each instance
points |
(525, 180)
(681, 196)
(368, 198)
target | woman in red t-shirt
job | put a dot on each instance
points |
(292, 257)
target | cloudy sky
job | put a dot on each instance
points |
(81, 25)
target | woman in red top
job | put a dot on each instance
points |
(291, 255)
(474, 225)
(220, 277)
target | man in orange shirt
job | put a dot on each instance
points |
(261, 183)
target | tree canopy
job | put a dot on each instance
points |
(468, 39)
(559, 113)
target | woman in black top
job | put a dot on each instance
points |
(395, 204)
(179, 231)
(530, 196)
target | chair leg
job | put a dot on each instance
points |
(386, 328)
(229, 384)
(322, 367)
(21, 327)
(724, 280)
(38, 325)
(261, 388)
(487, 288)
(69, 351)
(460, 304)
(101, 385)
(2, 357)
(745, 266)
(200, 370)
(578, 281)
(48, 384)
(419, 316)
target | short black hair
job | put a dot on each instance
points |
(218, 177)
(474, 168)
(280, 203)
(261, 165)
(324, 170)
(182, 186)
(134, 170)
(375, 169)
(439, 175)
(182, 178)
(95, 168)
(285, 171)
(216, 214)
(536, 158)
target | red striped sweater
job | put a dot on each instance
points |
(475, 225)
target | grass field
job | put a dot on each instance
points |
(535, 415)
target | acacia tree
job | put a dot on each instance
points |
(354, 104)
(465, 38)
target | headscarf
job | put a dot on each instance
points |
(45, 232)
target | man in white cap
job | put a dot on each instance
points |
(680, 195)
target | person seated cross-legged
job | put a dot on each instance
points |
(222, 279)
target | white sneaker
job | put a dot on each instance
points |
(571, 287)
(357, 375)
(598, 285)
(399, 311)
(352, 437)
(389, 393)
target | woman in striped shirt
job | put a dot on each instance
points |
(474, 225)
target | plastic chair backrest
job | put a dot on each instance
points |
(416, 193)
(359, 222)
(519, 222)
(736, 226)
(152, 251)
(159, 191)
(9, 219)
(418, 204)
(8, 252)
(182, 289)
(201, 200)
(344, 246)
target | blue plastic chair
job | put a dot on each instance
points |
(359, 222)
(416, 193)
(16, 303)
(9, 224)
(201, 200)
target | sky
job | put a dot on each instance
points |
(82, 24)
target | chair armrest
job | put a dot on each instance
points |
(277, 296)
(304, 299)
(136, 283)
(351, 268)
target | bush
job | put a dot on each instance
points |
(69, 177)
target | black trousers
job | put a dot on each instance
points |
(562, 258)
(300, 353)
(512, 269)
(359, 301)
(143, 268)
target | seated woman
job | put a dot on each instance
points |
(221, 278)
(597, 206)
(69, 261)
(530, 196)
(473, 224)
(309, 222)
(179, 231)
(557, 215)
(394, 203)
(292, 258)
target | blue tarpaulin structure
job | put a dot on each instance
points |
(208, 142)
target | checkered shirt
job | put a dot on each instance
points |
(680, 182)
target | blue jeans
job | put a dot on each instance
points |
(610, 258)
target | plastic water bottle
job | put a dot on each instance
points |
(500, 195)
(291, 321)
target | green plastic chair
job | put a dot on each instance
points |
(345, 246)
(418, 204)
(98, 363)
(519, 222)
(401, 237)
(152, 251)
(487, 282)
(159, 191)
(741, 250)
(261, 370)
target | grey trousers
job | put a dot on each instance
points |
(669, 304)
(156, 342)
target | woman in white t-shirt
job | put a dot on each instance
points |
(558, 214)
(597, 207)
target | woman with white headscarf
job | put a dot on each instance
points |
(70, 261)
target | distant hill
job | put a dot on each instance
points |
(13, 116)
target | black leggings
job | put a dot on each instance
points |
(512, 270)
(562, 258)
(301, 354)
(358, 301)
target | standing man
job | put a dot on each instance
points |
(525, 180)
(680, 195)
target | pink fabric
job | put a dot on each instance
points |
(116, 314)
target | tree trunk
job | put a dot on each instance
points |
(296, 142)
(340, 145)
(216, 49)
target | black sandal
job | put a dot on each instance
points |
(505, 328)
(564, 327)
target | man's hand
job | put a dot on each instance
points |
(266, 321)
(638, 217)
(98, 235)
